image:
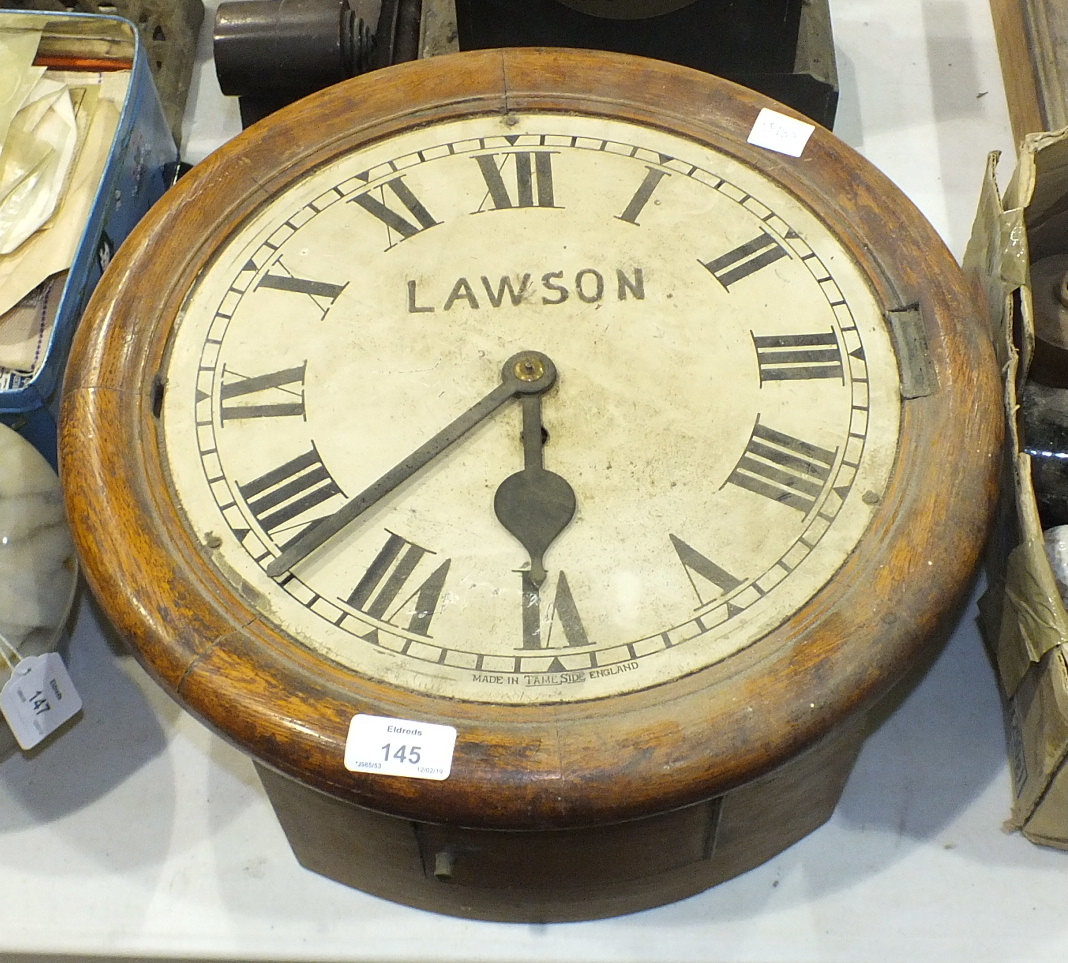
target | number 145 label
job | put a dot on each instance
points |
(399, 747)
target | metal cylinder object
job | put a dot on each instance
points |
(281, 46)
(1044, 399)
(1049, 295)
(1044, 423)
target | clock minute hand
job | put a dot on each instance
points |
(528, 372)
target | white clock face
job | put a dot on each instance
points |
(725, 412)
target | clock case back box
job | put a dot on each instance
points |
(134, 178)
(1022, 616)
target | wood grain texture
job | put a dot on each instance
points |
(570, 874)
(1032, 38)
(559, 767)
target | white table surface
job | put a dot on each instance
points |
(139, 834)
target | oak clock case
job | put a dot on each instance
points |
(522, 396)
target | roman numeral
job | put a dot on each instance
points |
(783, 468)
(798, 357)
(390, 574)
(277, 394)
(705, 569)
(564, 613)
(397, 224)
(281, 495)
(642, 195)
(322, 293)
(745, 259)
(532, 176)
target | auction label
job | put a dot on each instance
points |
(776, 131)
(399, 747)
(38, 698)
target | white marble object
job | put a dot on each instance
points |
(38, 567)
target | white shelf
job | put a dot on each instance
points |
(140, 834)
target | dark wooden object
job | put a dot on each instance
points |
(1032, 38)
(566, 874)
(711, 773)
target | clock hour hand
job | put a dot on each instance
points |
(528, 373)
(534, 504)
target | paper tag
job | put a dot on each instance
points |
(38, 698)
(399, 747)
(780, 133)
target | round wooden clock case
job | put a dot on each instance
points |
(516, 393)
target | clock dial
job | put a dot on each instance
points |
(721, 428)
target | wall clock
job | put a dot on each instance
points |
(535, 478)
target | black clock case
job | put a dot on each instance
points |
(782, 48)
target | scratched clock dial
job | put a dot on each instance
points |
(726, 407)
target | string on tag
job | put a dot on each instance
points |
(7, 650)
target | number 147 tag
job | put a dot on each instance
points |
(399, 747)
(38, 698)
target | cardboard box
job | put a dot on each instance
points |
(136, 172)
(1022, 615)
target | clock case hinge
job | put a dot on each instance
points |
(909, 334)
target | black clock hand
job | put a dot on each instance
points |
(535, 505)
(526, 373)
